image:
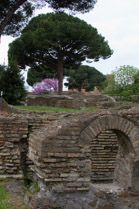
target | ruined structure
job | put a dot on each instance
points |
(68, 153)
(69, 100)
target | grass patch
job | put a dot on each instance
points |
(4, 205)
(3, 193)
(57, 109)
(3, 196)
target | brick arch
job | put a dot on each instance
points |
(113, 122)
(128, 138)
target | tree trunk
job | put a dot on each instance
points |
(10, 14)
(60, 74)
(80, 87)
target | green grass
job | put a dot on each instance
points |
(4, 205)
(3, 196)
(3, 193)
(56, 109)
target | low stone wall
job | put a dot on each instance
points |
(70, 100)
(131, 98)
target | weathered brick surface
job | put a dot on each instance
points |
(103, 156)
(12, 133)
(68, 151)
(69, 156)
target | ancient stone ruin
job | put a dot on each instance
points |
(80, 160)
(69, 100)
(71, 154)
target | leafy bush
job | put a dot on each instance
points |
(124, 82)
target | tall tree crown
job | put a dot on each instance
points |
(48, 35)
(14, 14)
(58, 41)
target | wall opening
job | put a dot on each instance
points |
(104, 149)
(112, 158)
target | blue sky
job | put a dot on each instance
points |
(118, 22)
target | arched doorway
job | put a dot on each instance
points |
(126, 133)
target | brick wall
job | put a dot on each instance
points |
(12, 133)
(64, 164)
(70, 154)
(103, 156)
(61, 152)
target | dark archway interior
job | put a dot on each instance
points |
(111, 158)
(104, 149)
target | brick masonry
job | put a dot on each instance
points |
(70, 154)
(69, 151)
(12, 135)
(103, 157)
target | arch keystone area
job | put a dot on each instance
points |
(113, 122)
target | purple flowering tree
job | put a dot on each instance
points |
(46, 85)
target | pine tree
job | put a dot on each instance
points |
(12, 84)
(84, 77)
(58, 41)
(14, 14)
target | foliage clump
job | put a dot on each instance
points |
(12, 84)
(39, 73)
(124, 82)
(14, 14)
(58, 41)
(85, 77)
